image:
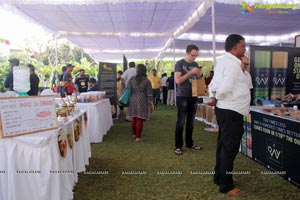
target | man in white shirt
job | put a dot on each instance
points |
(129, 73)
(231, 89)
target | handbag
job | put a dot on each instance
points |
(125, 96)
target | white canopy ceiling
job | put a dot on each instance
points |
(145, 29)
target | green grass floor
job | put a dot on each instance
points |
(108, 174)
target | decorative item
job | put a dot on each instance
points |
(77, 128)
(62, 143)
(70, 136)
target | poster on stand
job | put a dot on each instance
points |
(108, 83)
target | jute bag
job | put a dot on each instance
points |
(198, 87)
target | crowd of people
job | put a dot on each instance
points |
(82, 83)
(229, 89)
(66, 84)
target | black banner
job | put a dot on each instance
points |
(108, 83)
(276, 145)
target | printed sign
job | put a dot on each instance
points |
(108, 82)
(276, 144)
(24, 115)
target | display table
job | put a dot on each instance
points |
(276, 143)
(99, 119)
(206, 114)
(32, 167)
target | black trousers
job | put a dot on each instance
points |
(187, 107)
(165, 94)
(230, 134)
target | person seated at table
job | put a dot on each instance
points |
(93, 85)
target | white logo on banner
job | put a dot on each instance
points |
(273, 152)
(279, 80)
(263, 80)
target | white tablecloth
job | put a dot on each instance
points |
(31, 166)
(99, 119)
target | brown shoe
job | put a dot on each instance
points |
(235, 192)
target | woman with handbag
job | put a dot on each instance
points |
(140, 101)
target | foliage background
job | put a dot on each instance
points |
(43, 58)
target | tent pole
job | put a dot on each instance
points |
(174, 72)
(56, 52)
(213, 32)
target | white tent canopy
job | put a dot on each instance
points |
(145, 29)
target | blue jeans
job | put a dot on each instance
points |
(187, 107)
(156, 96)
(62, 91)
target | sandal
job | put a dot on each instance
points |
(235, 192)
(196, 147)
(178, 152)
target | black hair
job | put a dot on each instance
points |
(31, 67)
(131, 64)
(191, 47)
(14, 62)
(232, 40)
(92, 80)
(141, 73)
(69, 65)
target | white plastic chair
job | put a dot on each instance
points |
(47, 92)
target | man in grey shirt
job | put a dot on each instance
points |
(185, 70)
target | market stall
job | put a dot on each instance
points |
(44, 165)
